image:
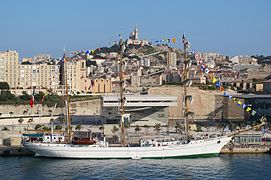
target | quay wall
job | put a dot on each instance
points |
(90, 107)
(245, 149)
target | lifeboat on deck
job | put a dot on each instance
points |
(84, 141)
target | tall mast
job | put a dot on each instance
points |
(121, 90)
(185, 83)
(67, 99)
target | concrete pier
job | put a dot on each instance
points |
(245, 149)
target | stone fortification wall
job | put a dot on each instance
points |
(91, 107)
(206, 104)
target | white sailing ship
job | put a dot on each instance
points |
(146, 149)
(199, 148)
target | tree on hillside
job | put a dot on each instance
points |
(50, 112)
(51, 100)
(20, 121)
(7, 96)
(39, 96)
(58, 127)
(30, 120)
(38, 126)
(4, 86)
(157, 128)
(25, 112)
(25, 96)
(11, 113)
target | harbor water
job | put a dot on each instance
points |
(245, 166)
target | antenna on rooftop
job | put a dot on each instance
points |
(64, 49)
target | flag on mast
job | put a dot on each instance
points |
(185, 41)
(43, 97)
(32, 99)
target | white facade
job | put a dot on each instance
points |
(76, 72)
(234, 60)
(42, 76)
(140, 101)
(171, 59)
(9, 62)
(55, 138)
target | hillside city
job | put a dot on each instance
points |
(146, 65)
(152, 86)
(145, 89)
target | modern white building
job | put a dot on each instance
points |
(143, 109)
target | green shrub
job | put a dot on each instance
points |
(38, 126)
(4, 85)
(58, 127)
(46, 128)
(25, 96)
(7, 96)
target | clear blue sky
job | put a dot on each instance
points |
(230, 27)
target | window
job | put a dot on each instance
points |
(161, 115)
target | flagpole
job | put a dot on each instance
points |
(121, 91)
(185, 80)
(67, 99)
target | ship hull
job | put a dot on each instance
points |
(201, 148)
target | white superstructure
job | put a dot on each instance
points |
(140, 101)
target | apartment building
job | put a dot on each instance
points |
(100, 85)
(43, 76)
(9, 62)
(76, 74)
(171, 58)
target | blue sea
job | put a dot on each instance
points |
(239, 167)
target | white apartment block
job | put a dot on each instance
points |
(76, 73)
(41, 76)
(9, 62)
